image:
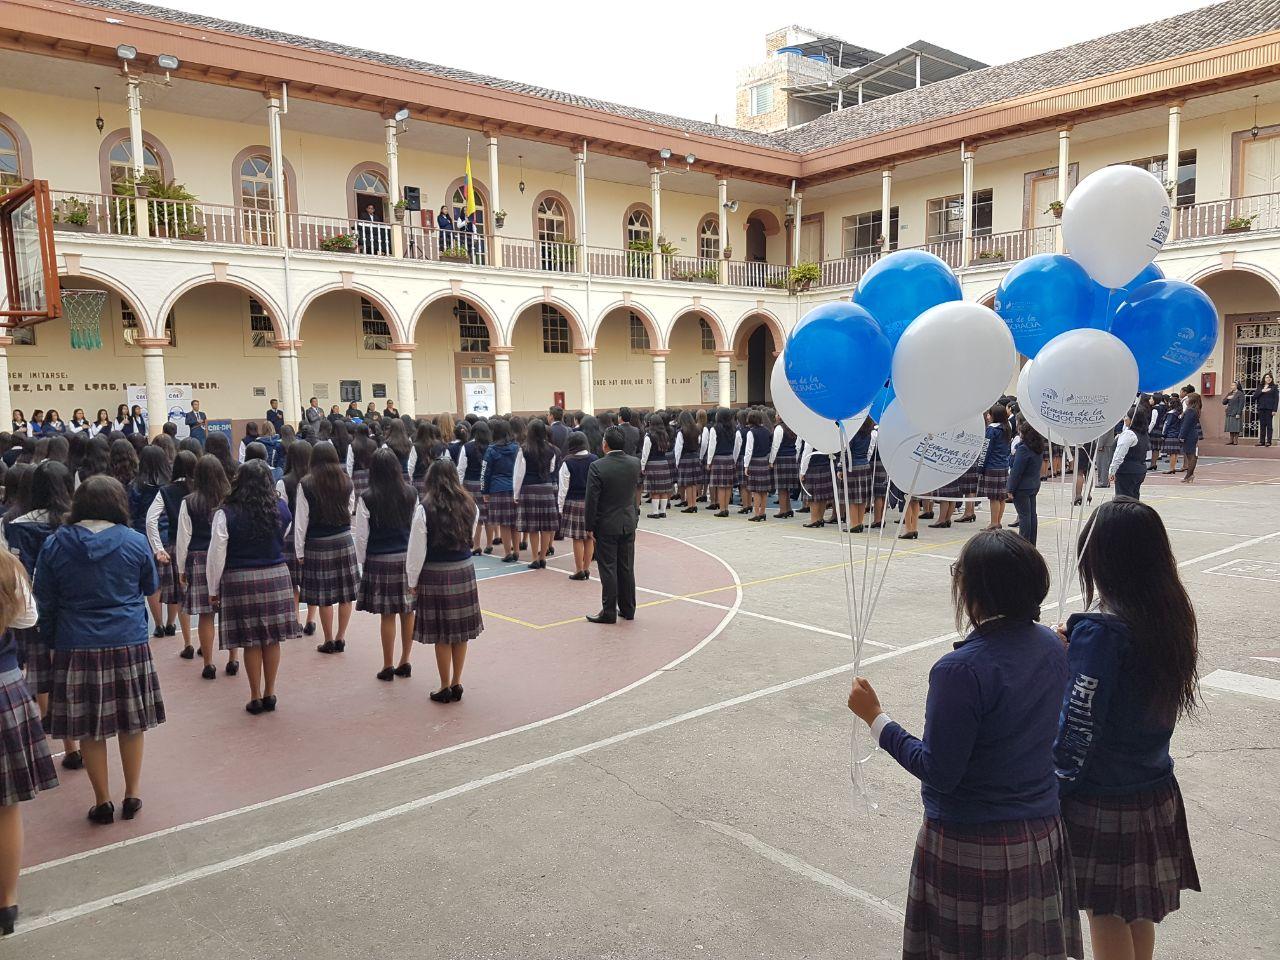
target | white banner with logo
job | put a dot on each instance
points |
(480, 398)
(177, 403)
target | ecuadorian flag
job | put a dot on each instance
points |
(469, 187)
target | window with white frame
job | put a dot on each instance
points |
(946, 216)
(709, 238)
(374, 327)
(1159, 166)
(639, 335)
(132, 330)
(262, 332)
(861, 233)
(473, 332)
(121, 161)
(639, 227)
(370, 181)
(759, 99)
(552, 220)
(11, 172)
(707, 335)
(555, 330)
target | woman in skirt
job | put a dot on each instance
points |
(785, 460)
(656, 466)
(534, 491)
(1134, 670)
(1171, 430)
(758, 476)
(324, 546)
(25, 765)
(497, 485)
(209, 485)
(994, 480)
(572, 497)
(427, 447)
(161, 528)
(724, 445)
(859, 477)
(815, 471)
(91, 585)
(740, 419)
(447, 603)
(396, 438)
(358, 457)
(992, 872)
(879, 482)
(382, 520)
(470, 468)
(249, 583)
(1024, 480)
(47, 501)
(687, 453)
(297, 462)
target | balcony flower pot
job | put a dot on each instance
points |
(1055, 208)
(192, 233)
(1239, 224)
(728, 253)
(1244, 229)
(991, 256)
(802, 276)
(500, 218)
(455, 255)
(339, 243)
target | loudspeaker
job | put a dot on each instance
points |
(412, 198)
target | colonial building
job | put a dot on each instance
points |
(619, 256)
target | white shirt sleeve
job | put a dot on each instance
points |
(184, 538)
(360, 529)
(242, 451)
(217, 558)
(710, 449)
(737, 444)
(777, 444)
(645, 451)
(29, 614)
(871, 447)
(416, 555)
(413, 460)
(517, 477)
(153, 524)
(351, 460)
(750, 450)
(462, 463)
(301, 519)
(806, 454)
(282, 491)
(1126, 440)
(562, 492)
(678, 448)
(704, 441)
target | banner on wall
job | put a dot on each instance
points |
(480, 397)
(177, 403)
(711, 386)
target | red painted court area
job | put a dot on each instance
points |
(536, 659)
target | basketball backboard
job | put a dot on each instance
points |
(30, 260)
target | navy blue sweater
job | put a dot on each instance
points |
(1024, 472)
(500, 467)
(989, 724)
(1108, 742)
(996, 454)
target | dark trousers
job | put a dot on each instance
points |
(616, 561)
(1028, 521)
(1265, 418)
(1130, 484)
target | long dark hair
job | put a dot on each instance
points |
(1031, 437)
(342, 439)
(449, 508)
(17, 490)
(209, 486)
(328, 488)
(427, 441)
(362, 448)
(689, 429)
(1127, 563)
(254, 496)
(397, 438)
(297, 463)
(184, 468)
(538, 453)
(501, 431)
(124, 462)
(218, 446)
(389, 499)
(726, 424)
(50, 490)
(591, 429)
(656, 431)
(999, 415)
(480, 436)
(998, 574)
(99, 498)
(153, 468)
(97, 458)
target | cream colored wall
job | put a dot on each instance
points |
(624, 377)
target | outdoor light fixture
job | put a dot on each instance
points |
(1253, 131)
(665, 153)
(689, 158)
(126, 52)
(167, 62)
(402, 115)
(731, 206)
(520, 157)
(99, 122)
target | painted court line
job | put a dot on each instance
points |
(1242, 683)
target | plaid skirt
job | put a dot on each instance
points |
(659, 477)
(692, 471)
(859, 481)
(724, 472)
(573, 520)
(993, 484)
(420, 484)
(1170, 445)
(473, 487)
(104, 691)
(786, 472)
(170, 589)
(992, 891)
(501, 509)
(447, 604)
(257, 608)
(360, 482)
(291, 561)
(759, 475)
(196, 598)
(879, 480)
(384, 584)
(329, 570)
(37, 660)
(817, 482)
(538, 510)
(25, 765)
(1132, 853)
(965, 485)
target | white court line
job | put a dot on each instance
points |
(254, 856)
(882, 906)
(1207, 533)
(1243, 683)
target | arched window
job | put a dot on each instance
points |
(11, 172)
(639, 227)
(555, 330)
(552, 220)
(369, 189)
(707, 334)
(256, 192)
(709, 238)
(133, 330)
(473, 332)
(639, 334)
(120, 162)
(459, 204)
(370, 181)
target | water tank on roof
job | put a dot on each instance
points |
(796, 50)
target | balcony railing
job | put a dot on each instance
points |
(691, 269)
(753, 273)
(1221, 217)
(92, 213)
(1013, 245)
(554, 256)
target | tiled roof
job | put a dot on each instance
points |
(1186, 33)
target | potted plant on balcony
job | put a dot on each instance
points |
(803, 276)
(338, 243)
(455, 254)
(1240, 224)
(172, 209)
(1055, 207)
(728, 252)
(991, 256)
(72, 214)
(776, 283)
(499, 219)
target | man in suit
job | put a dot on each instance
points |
(311, 418)
(558, 431)
(630, 431)
(612, 517)
(197, 422)
(275, 416)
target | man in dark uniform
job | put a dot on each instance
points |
(558, 430)
(612, 517)
(630, 432)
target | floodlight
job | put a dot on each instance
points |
(665, 153)
(731, 206)
(689, 158)
(167, 61)
(402, 115)
(126, 52)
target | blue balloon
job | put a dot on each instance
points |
(903, 285)
(881, 402)
(1107, 302)
(1042, 297)
(1171, 327)
(837, 359)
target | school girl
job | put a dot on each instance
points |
(994, 481)
(297, 463)
(687, 452)
(534, 490)
(358, 456)
(124, 462)
(470, 470)
(249, 583)
(1133, 669)
(879, 482)
(209, 485)
(784, 458)
(26, 768)
(757, 481)
(496, 486)
(656, 466)
(859, 477)
(1171, 434)
(383, 517)
(152, 474)
(571, 497)
(250, 436)
(1189, 433)
(741, 418)
(461, 434)
(723, 449)
(161, 527)
(426, 448)
(396, 437)
(815, 473)
(992, 871)
(96, 459)
(446, 600)
(324, 545)
(1024, 479)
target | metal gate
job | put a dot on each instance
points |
(1257, 353)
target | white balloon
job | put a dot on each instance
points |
(1115, 222)
(822, 435)
(1081, 385)
(919, 462)
(953, 361)
(1025, 408)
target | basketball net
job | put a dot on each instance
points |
(83, 310)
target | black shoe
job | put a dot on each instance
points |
(339, 646)
(759, 519)
(387, 673)
(1014, 524)
(551, 551)
(965, 519)
(159, 632)
(188, 652)
(309, 629)
(580, 575)
(170, 629)
(269, 703)
(129, 809)
(914, 535)
(496, 541)
(744, 510)
(927, 515)
(689, 510)
(210, 672)
(860, 528)
(534, 565)
(254, 707)
(722, 513)
(232, 668)
(73, 761)
(703, 499)
(444, 695)
(404, 670)
(877, 525)
(654, 516)
(476, 553)
(627, 617)
(601, 617)
(326, 647)
(784, 516)
(510, 558)
(940, 525)
(8, 917)
(456, 690)
(488, 550)
(524, 544)
(103, 813)
(815, 525)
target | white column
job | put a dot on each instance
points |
(1064, 175)
(886, 206)
(502, 378)
(134, 96)
(655, 201)
(6, 400)
(495, 201)
(722, 269)
(405, 395)
(277, 170)
(580, 167)
(1171, 167)
(659, 378)
(724, 359)
(304, 396)
(795, 230)
(396, 217)
(966, 208)
(153, 373)
(289, 390)
(586, 385)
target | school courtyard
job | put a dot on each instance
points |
(678, 786)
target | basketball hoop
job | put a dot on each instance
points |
(84, 309)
